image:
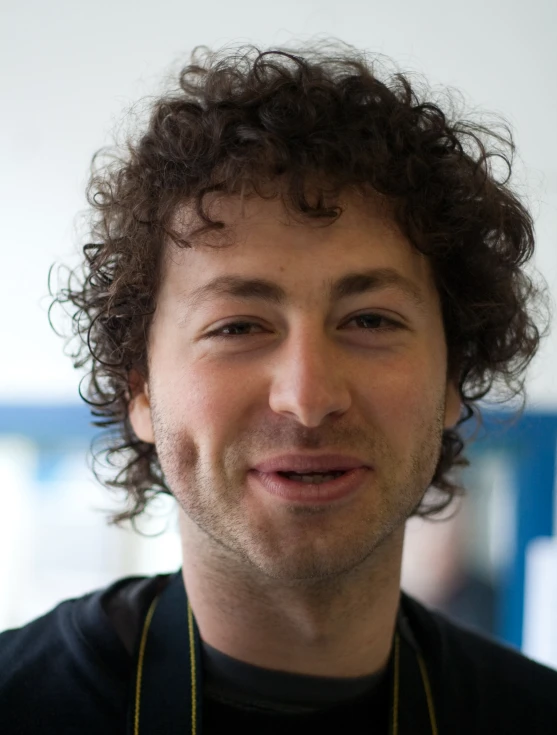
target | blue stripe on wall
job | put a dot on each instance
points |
(47, 425)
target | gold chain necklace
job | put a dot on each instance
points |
(393, 729)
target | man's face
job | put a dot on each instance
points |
(241, 373)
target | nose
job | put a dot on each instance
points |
(309, 380)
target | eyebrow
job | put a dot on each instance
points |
(351, 284)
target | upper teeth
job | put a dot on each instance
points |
(315, 478)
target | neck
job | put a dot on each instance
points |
(341, 627)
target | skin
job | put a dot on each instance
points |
(312, 589)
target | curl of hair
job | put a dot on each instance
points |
(314, 122)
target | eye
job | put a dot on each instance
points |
(370, 322)
(234, 329)
(376, 322)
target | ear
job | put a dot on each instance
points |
(139, 408)
(452, 404)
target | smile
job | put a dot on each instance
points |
(311, 487)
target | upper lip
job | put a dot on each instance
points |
(308, 463)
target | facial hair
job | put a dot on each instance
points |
(298, 545)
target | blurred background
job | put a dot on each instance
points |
(70, 72)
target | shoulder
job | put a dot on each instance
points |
(67, 669)
(477, 654)
(491, 684)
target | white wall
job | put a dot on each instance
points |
(69, 69)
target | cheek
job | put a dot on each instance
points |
(207, 403)
(218, 394)
(404, 398)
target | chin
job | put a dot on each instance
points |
(310, 566)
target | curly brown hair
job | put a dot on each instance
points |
(241, 120)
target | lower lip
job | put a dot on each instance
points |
(308, 493)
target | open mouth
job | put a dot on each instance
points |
(312, 487)
(312, 478)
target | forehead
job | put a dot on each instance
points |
(262, 238)
(243, 216)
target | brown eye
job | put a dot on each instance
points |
(376, 322)
(234, 329)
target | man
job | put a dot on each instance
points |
(301, 278)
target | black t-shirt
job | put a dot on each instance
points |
(71, 670)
